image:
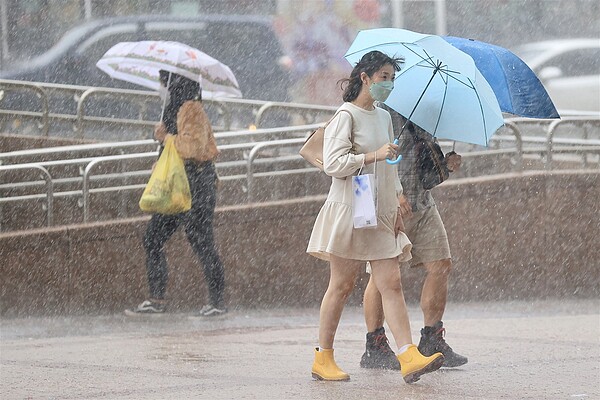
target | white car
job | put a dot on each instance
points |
(569, 70)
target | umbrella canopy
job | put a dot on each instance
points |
(139, 62)
(438, 88)
(517, 88)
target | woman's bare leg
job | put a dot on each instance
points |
(386, 276)
(343, 273)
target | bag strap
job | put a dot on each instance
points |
(351, 127)
(375, 182)
(351, 124)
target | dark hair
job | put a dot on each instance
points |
(181, 89)
(369, 63)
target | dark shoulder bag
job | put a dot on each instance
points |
(431, 163)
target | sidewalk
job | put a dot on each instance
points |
(517, 350)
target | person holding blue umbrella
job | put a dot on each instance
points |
(440, 90)
(356, 139)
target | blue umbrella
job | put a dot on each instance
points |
(439, 88)
(517, 88)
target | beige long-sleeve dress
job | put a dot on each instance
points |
(334, 232)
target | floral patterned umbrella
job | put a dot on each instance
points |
(139, 63)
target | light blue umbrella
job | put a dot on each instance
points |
(438, 88)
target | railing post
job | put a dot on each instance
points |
(518, 142)
(45, 110)
(260, 112)
(87, 173)
(549, 142)
(42, 94)
(78, 128)
(253, 154)
(85, 189)
(225, 112)
(49, 196)
(49, 187)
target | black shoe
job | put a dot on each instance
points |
(378, 353)
(432, 341)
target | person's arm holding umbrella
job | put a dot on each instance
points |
(168, 123)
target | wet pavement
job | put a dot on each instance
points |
(517, 350)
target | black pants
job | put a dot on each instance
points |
(198, 224)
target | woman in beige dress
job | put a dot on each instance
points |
(357, 139)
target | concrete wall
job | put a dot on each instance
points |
(526, 235)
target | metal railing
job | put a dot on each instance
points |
(13, 157)
(249, 163)
(582, 121)
(548, 138)
(222, 138)
(307, 112)
(87, 164)
(49, 189)
(85, 190)
(83, 97)
(250, 175)
(43, 92)
(137, 96)
(245, 150)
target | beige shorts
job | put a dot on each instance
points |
(427, 233)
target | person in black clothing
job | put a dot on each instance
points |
(185, 118)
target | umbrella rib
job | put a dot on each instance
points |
(430, 65)
(444, 75)
(441, 108)
(471, 86)
(411, 67)
(418, 101)
(482, 114)
(447, 73)
(506, 79)
(428, 59)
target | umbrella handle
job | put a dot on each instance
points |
(397, 160)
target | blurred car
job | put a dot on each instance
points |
(569, 70)
(247, 44)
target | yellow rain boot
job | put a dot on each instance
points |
(413, 364)
(325, 369)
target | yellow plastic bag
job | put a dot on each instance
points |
(168, 190)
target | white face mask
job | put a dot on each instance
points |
(164, 94)
(380, 91)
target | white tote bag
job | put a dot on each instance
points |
(364, 195)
